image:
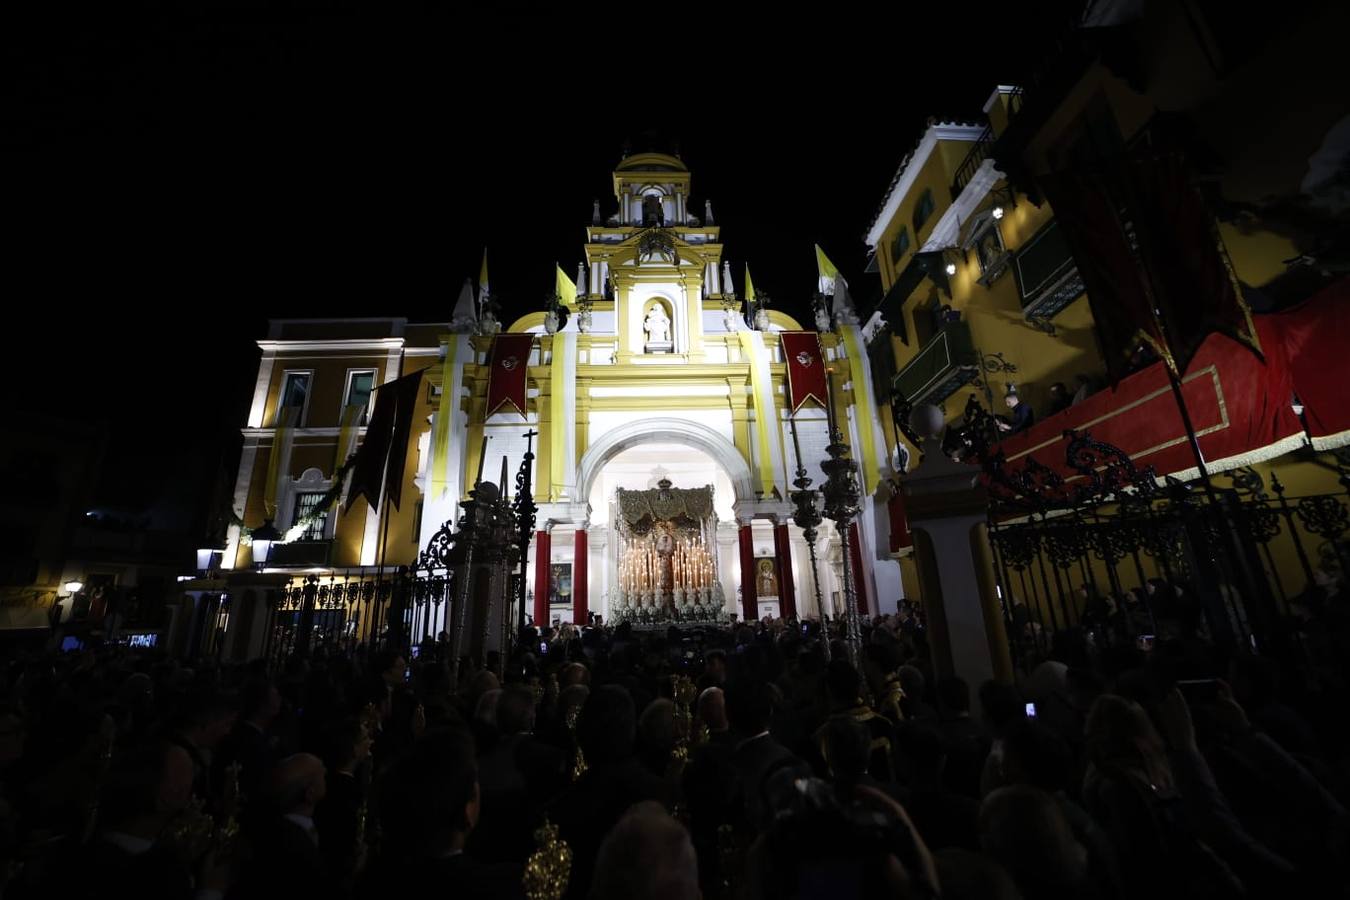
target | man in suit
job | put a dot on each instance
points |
(289, 862)
(842, 684)
(202, 721)
(614, 781)
(756, 756)
(516, 777)
(430, 806)
(250, 742)
(337, 816)
(146, 789)
(647, 856)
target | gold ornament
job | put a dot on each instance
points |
(549, 866)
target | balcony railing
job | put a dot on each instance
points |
(966, 171)
(301, 553)
(1047, 277)
(943, 366)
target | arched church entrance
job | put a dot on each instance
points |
(662, 494)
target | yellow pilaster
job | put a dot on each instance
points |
(583, 417)
(474, 450)
(989, 603)
(740, 420)
(543, 468)
(693, 289)
(621, 317)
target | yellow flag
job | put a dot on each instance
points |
(749, 286)
(482, 274)
(826, 268)
(567, 291)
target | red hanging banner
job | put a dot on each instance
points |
(805, 368)
(507, 365)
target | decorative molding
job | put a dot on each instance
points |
(947, 232)
(909, 169)
(377, 344)
(665, 430)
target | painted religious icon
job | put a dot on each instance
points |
(766, 581)
(560, 584)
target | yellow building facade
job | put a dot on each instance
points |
(653, 374)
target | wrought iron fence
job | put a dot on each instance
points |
(470, 576)
(1114, 556)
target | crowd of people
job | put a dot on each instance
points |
(762, 760)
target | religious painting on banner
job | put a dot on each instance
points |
(805, 368)
(507, 367)
(560, 585)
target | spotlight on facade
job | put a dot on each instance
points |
(74, 587)
(998, 212)
(951, 268)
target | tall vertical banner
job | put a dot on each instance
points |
(276, 460)
(378, 470)
(866, 417)
(507, 366)
(768, 428)
(805, 369)
(447, 453)
(563, 413)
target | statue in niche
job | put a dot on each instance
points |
(652, 211)
(657, 325)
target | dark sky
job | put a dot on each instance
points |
(171, 183)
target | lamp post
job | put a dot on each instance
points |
(207, 556)
(842, 497)
(807, 517)
(263, 539)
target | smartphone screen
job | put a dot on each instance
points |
(543, 646)
(1031, 710)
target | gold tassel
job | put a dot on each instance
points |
(549, 866)
(579, 759)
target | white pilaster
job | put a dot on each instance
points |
(260, 388)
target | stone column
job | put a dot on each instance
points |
(948, 511)
(787, 588)
(543, 547)
(580, 565)
(749, 604)
(859, 574)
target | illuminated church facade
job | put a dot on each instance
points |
(658, 411)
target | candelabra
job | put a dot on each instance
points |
(842, 497)
(525, 510)
(807, 518)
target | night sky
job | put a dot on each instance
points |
(171, 184)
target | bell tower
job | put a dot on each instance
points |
(656, 259)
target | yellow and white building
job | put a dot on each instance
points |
(654, 375)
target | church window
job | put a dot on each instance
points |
(360, 385)
(295, 396)
(306, 504)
